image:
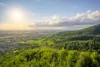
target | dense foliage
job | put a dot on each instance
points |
(65, 49)
(48, 57)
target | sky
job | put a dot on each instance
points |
(48, 14)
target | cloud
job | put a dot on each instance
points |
(80, 20)
(86, 17)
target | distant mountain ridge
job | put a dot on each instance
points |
(93, 30)
(84, 34)
(79, 48)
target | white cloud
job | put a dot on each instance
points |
(75, 22)
(79, 21)
(88, 16)
(54, 20)
(80, 18)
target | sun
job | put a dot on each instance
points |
(16, 15)
(17, 19)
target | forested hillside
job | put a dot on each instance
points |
(79, 48)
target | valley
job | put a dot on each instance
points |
(79, 48)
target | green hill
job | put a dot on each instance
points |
(94, 30)
(85, 34)
(79, 48)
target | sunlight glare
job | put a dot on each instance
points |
(17, 15)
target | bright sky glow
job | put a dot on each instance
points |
(53, 14)
(16, 15)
